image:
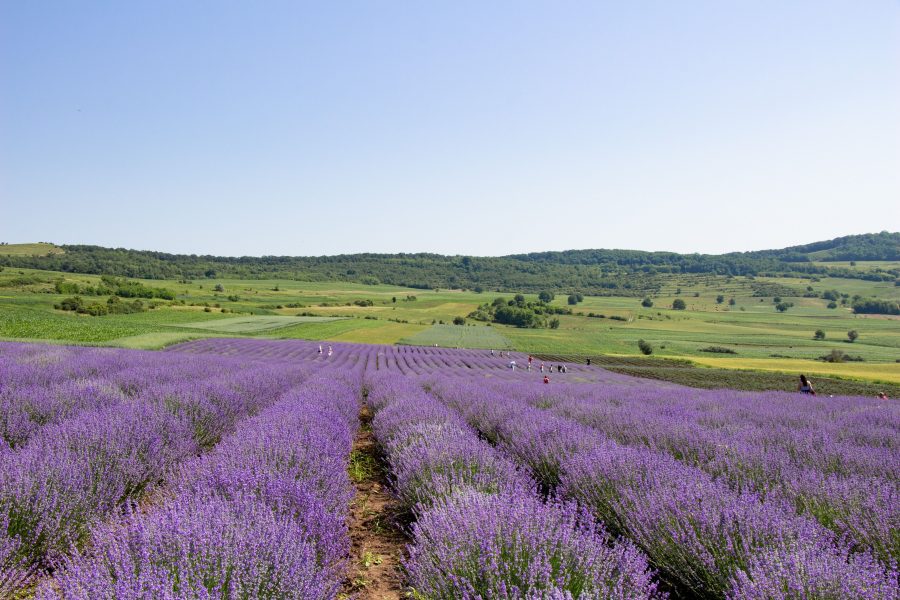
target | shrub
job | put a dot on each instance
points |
(679, 304)
(852, 335)
(647, 302)
(219, 288)
(645, 347)
(732, 302)
(720, 299)
(876, 307)
(718, 350)
(838, 356)
(819, 335)
(554, 323)
(832, 304)
(783, 306)
(459, 320)
(546, 296)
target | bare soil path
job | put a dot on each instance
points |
(378, 542)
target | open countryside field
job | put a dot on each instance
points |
(760, 336)
(455, 336)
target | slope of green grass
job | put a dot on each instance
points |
(36, 249)
(389, 314)
(461, 336)
(253, 324)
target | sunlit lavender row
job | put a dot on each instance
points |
(218, 468)
(261, 516)
(90, 432)
(481, 530)
(708, 534)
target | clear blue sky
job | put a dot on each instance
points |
(456, 127)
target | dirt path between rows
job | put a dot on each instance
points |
(377, 541)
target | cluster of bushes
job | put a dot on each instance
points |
(783, 306)
(838, 356)
(718, 350)
(113, 306)
(575, 298)
(519, 312)
(365, 302)
(114, 286)
(23, 280)
(876, 307)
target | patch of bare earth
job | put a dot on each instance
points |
(377, 540)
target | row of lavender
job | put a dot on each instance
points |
(405, 360)
(481, 530)
(261, 516)
(836, 460)
(87, 432)
(708, 536)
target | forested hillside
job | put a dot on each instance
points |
(599, 272)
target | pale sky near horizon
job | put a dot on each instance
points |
(483, 128)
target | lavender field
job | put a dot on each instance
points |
(219, 469)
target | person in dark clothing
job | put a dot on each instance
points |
(805, 386)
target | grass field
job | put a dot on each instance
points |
(761, 337)
(455, 336)
(37, 249)
(253, 324)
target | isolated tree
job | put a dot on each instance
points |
(394, 299)
(219, 288)
(554, 323)
(732, 302)
(852, 335)
(546, 296)
(645, 348)
(720, 299)
(832, 304)
(459, 320)
(679, 304)
(647, 302)
(819, 335)
(572, 300)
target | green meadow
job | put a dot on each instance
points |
(760, 337)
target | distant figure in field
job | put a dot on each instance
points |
(492, 351)
(512, 365)
(882, 396)
(330, 351)
(528, 366)
(530, 358)
(320, 348)
(588, 362)
(546, 379)
(550, 368)
(542, 367)
(805, 386)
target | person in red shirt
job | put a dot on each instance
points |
(546, 379)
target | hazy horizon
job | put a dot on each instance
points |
(467, 128)
(200, 253)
